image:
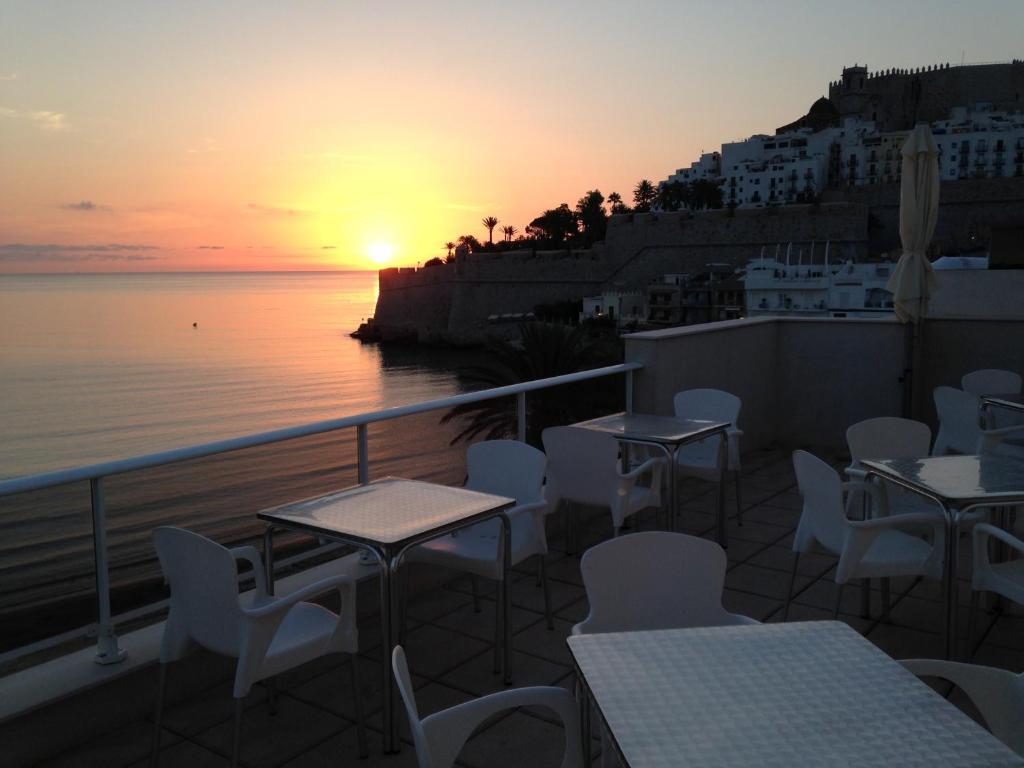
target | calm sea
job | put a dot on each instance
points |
(99, 367)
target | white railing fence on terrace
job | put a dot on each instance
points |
(104, 628)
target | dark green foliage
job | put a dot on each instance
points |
(554, 225)
(644, 195)
(543, 350)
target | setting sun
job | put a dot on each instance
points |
(380, 253)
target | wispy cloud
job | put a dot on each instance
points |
(54, 252)
(211, 247)
(474, 207)
(6, 78)
(86, 206)
(328, 247)
(205, 146)
(274, 210)
(44, 120)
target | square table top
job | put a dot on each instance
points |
(389, 511)
(656, 429)
(797, 694)
(960, 480)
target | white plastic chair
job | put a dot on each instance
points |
(583, 468)
(655, 580)
(960, 428)
(997, 693)
(1005, 578)
(700, 460)
(992, 381)
(440, 737)
(267, 635)
(506, 468)
(867, 549)
(889, 437)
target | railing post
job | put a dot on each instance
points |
(107, 649)
(363, 455)
(629, 391)
(521, 415)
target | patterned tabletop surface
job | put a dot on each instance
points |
(797, 694)
(658, 429)
(958, 478)
(387, 511)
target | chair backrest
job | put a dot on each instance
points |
(583, 465)
(991, 381)
(823, 518)
(888, 437)
(654, 580)
(404, 683)
(714, 404)
(959, 421)
(203, 577)
(507, 468)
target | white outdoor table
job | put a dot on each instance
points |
(958, 485)
(669, 434)
(387, 517)
(781, 695)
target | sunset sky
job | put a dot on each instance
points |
(309, 135)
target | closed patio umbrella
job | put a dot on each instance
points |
(913, 280)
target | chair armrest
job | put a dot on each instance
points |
(449, 729)
(984, 531)
(734, 432)
(909, 520)
(863, 486)
(283, 604)
(856, 472)
(252, 556)
(995, 692)
(647, 466)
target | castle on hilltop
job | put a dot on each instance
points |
(896, 99)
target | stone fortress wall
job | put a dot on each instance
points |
(451, 303)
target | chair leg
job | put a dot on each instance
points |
(839, 599)
(498, 628)
(158, 715)
(540, 572)
(547, 590)
(865, 598)
(474, 582)
(357, 699)
(739, 498)
(792, 583)
(272, 695)
(236, 738)
(972, 624)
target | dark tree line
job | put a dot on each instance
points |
(587, 222)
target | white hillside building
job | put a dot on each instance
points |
(837, 290)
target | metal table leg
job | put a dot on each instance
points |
(723, 470)
(388, 641)
(506, 597)
(950, 587)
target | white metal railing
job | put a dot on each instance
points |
(107, 649)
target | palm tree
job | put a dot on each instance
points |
(543, 350)
(510, 232)
(490, 222)
(450, 246)
(644, 194)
